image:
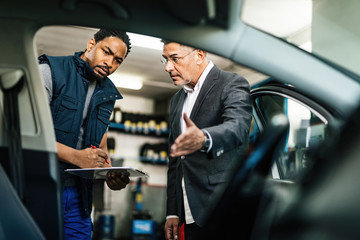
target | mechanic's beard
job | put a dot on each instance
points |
(98, 76)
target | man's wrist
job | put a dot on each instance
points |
(206, 143)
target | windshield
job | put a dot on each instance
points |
(326, 28)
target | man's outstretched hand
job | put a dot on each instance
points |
(189, 141)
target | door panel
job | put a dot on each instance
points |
(32, 174)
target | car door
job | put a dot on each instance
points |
(309, 124)
(29, 179)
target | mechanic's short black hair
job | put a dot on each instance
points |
(104, 33)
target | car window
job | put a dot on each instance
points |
(307, 128)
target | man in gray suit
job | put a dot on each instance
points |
(209, 127)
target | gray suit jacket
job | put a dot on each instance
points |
(223, 108)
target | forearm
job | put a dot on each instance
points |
(84, 158)
(236, 117)
(103, 146)
(67, 154)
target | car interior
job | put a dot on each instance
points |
(299, 179)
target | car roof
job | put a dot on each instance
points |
(214, 26)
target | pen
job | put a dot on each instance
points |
(92, 146)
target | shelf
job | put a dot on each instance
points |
(155, 161)
(136, 131)
(160, 161)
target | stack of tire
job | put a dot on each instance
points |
(140, 123)
(154, 153)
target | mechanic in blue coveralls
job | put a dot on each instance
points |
(81, 98)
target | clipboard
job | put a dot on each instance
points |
(100, 173)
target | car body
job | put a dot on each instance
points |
(327, 87)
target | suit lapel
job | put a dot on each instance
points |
(208, 84)
(177, 113)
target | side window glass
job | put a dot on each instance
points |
(306, 130)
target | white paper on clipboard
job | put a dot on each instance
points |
(100, 173)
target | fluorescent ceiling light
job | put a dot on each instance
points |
(126, 81)
(145, 41)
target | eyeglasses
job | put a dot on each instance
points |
(174, 60)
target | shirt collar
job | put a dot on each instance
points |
(187, 89)
(201, 80)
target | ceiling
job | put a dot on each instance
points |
(142, 62)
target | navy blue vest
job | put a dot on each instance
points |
(70, 75)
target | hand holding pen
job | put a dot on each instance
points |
(93, 147)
